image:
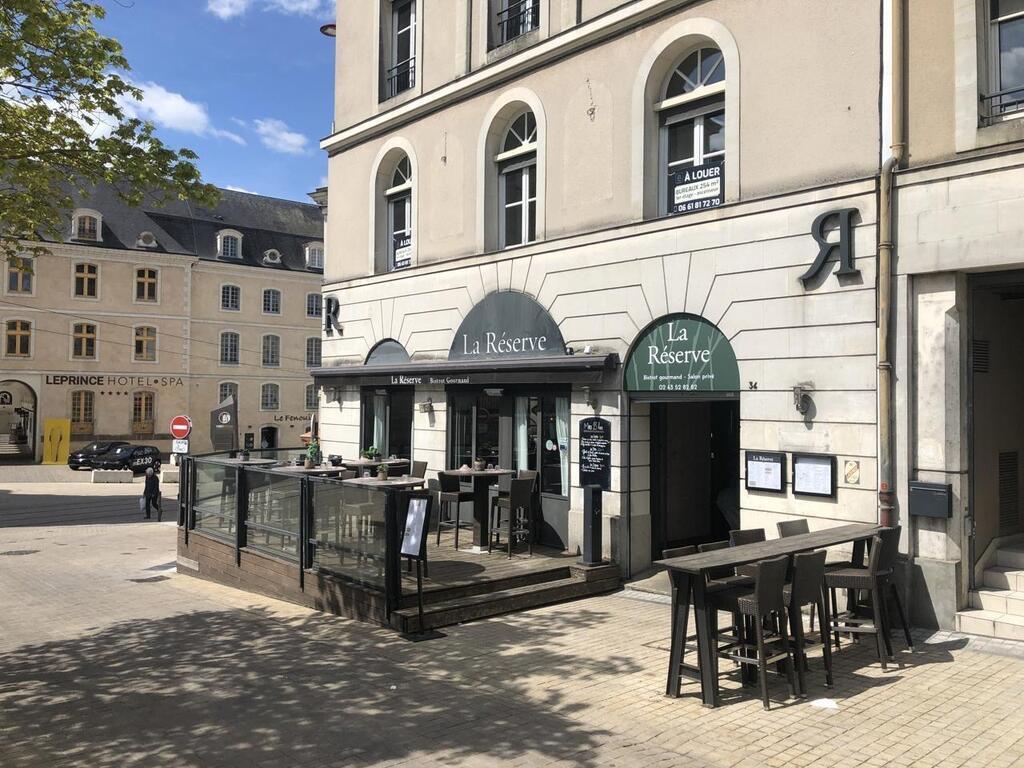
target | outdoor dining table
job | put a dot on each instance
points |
(482, 480)
(689, 575)
(392, 483)
(311, 472)
(361, 464)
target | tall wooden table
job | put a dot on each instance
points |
(689, 575)
(482, 480)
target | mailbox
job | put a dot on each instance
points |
(931, 499)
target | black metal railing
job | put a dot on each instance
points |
(516, 19)
(995, 106)
(400, 77)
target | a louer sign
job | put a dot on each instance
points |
(682, 353)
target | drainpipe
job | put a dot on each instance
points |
(885, 249)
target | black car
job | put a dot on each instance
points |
(83, 456)
(137, 458)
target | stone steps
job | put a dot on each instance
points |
(977, 621)
(998, 600)
(1011, 556)
(1001, 577)
(997, 605)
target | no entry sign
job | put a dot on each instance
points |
(181, 426)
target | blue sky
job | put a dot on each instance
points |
(247, 84)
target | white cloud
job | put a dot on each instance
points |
(229, 9)
(306, 7)
(275, 135)
(173, 111)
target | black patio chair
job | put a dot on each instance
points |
(519, 523)
(450, 496)
(807, 587)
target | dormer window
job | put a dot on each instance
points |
(315, 256)
(272, 256)
(146, 240)
(87, 225)
(229, 244)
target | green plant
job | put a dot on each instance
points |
(370, 453)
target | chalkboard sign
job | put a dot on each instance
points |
(415, 528)
(596, 452)
(766, 471)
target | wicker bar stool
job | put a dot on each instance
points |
(808, 588)
(743, 536)
(451, 495)
(519, 523)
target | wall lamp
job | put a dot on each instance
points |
(427, 406)
(802, 397)
(592, 403)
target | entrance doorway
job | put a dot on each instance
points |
(17, 421)
(695, 455)
(268, 437)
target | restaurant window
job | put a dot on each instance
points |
(227, 389)
(18, 342)
(514, 18)
(229, 348)
(83, 341)
(400, 74)
(517, 182)
(86, 281)
(314, 305)
(1005, 60)
(270, 397)
(82, 407)
(271, 301)
(142, 413)
(145, 284)
(313, 351)
(230, 298)
(399, 204)
(387, 421)
(271, 351)
(145, 344)
(692, 133)
(20, 271)
(312, 402)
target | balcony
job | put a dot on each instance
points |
(1002, 105)
(517, 19)
(400, 77)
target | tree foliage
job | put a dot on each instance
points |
(64, 127)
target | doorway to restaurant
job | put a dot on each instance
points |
(268, 437)
(17, 421)
(695, 458)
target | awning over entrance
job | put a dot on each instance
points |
(681, 353)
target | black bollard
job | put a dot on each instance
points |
(591, 525)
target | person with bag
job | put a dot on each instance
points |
(151, 495)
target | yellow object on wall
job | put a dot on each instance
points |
(56, 441)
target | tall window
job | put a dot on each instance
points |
(314, 305)
(313, 347)
(229, 348)
(401, 72)
(83, 341)
(1006, 58)
(270, 397)
(692, 119)
(514, 18)
(517, 182)
(399, 202)
(271, 301)
(145, 344)
(145, 284)
(86, 281)
(227, 389)
(87, 227)
(82, 408)
(271, 351)
(229, 244)
(142, 413)
(19, 274)
(312, 403)
(230, 297)
(18, 342)
(315, 256)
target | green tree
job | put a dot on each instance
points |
(63, 126)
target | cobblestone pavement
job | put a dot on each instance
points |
(109, 658)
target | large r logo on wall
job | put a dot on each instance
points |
(331, 309)
(843, 219)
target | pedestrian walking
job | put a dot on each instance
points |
(151, 494)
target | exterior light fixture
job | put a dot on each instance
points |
(802, 397)
(329, 30)
(428, 406)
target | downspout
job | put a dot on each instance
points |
(885, 264)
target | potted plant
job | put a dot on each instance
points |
(313, 455)
(382, 472)
(479, 464)
(370, 453)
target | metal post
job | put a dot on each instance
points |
(305, 511)
(392, 560)
(592, 525)
(241, 512)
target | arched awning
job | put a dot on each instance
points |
(681, 353)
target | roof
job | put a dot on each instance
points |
(185, 228)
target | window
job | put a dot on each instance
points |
(229, 348)
(83, 341)
(87, 225)
(19, 338)
(401, 72)
(399, 202)
(229, 244)
(387, 420)
(227, 389)
(515, 18)
(314, 305)
(312, 402)
(315, 256)
(82, 408)
(271, 351)
(270, 397)
(313, 346)
(145, 240)
(271, 301)
(86, 281)
(142, 413)
(517, 182)
(692, 120)
(1006, 59)
(273, 256)
(230, 298)
(20, 271)
(145, 284)
(145, 344)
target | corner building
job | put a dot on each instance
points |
(559, 210)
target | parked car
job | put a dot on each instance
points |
(82, 458)
(137, 458)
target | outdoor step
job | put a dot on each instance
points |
(1001, 577)
(1011, 556)
(998, 600)
(473, 607)
(483, 587)
(990, 624)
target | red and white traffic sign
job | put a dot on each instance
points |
(181, 427)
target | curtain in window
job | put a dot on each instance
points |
(562, 428)
(380, 407)
(522, 436)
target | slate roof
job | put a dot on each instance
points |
(185, 228)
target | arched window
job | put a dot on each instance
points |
(82, 408)
(229, 348)
(271, 351)
(313, 355)
(398, 197)
(229, 244)
(227, 389)
(145, 344)
(271, 301)
(691, 116)
(87, 224)
(270, 397)
(83, 341)
(517, 182)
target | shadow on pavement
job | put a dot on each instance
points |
(25, 509)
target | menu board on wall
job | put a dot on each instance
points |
(814, 474)
(766, 471)
(596, 452)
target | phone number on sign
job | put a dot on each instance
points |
(696, 205)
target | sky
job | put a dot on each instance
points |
(246, 84)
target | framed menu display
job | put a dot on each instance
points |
(814, 475)
(766, 471)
